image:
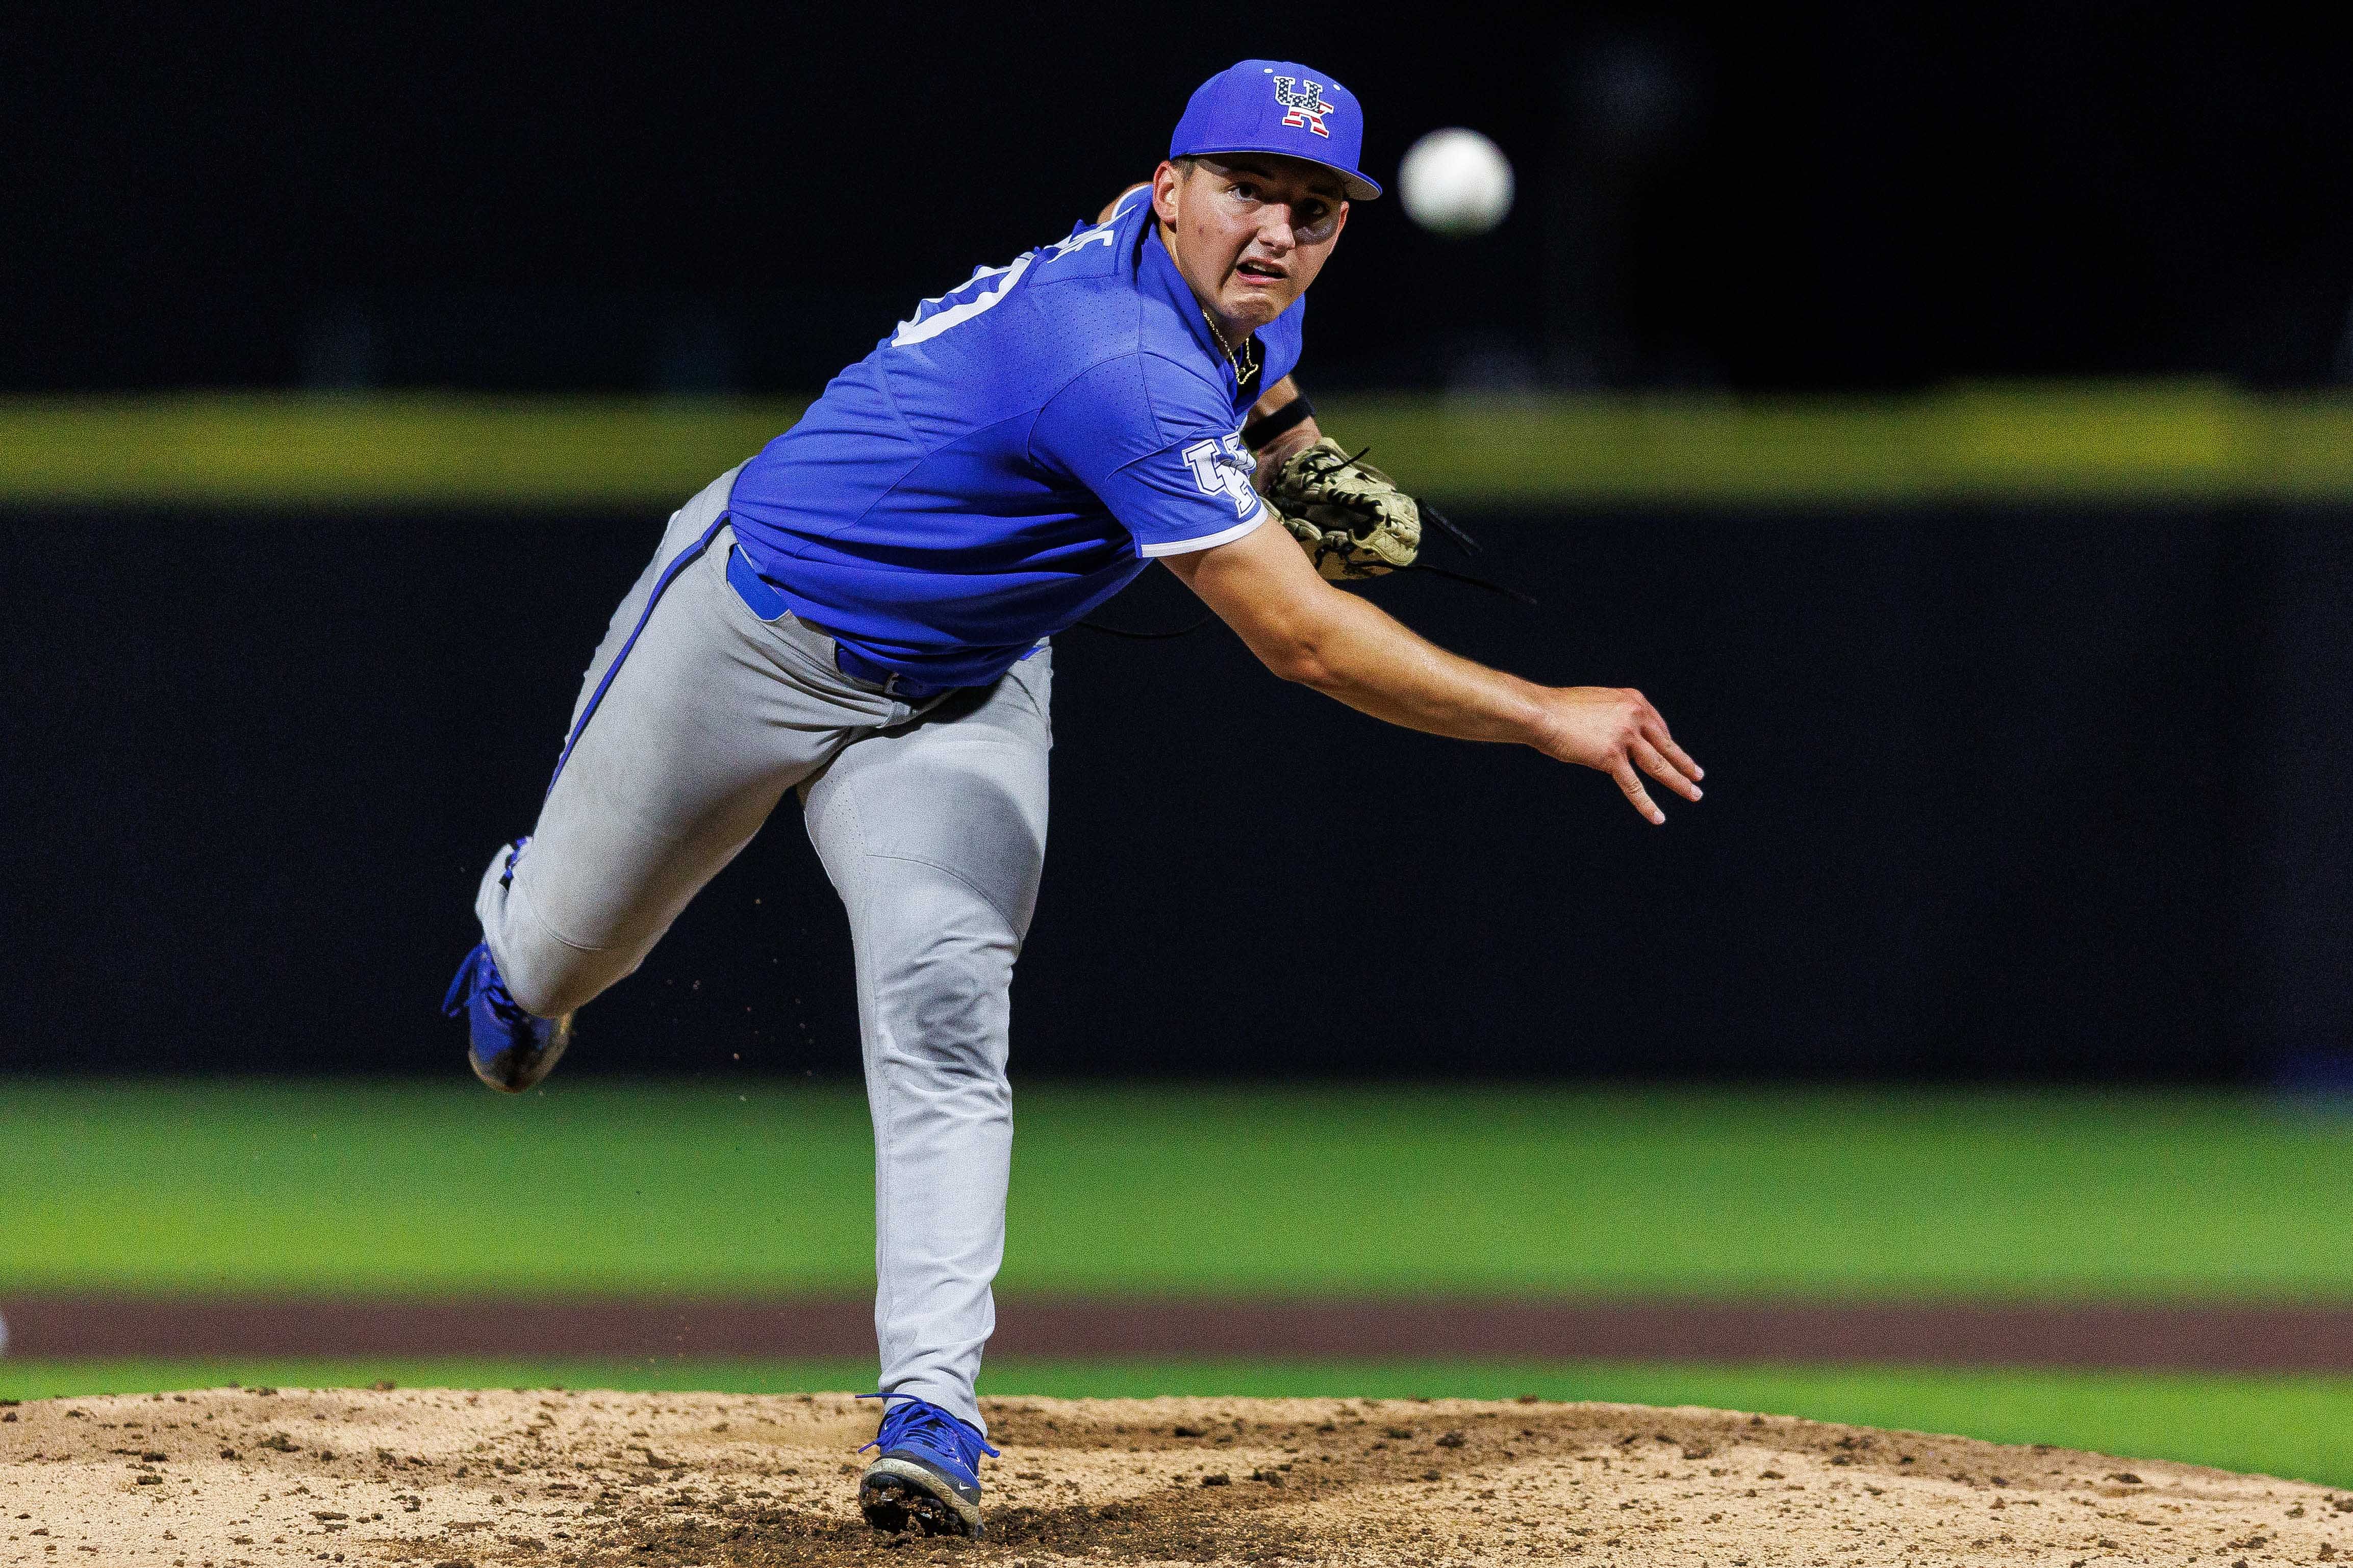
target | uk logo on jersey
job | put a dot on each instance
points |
(1224, 465)
(1304, 101)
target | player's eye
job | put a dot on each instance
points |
(1246, 190)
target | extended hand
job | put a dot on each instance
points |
(1306, 630)
(1616, 731)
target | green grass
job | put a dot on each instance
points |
(2300, 1427)
(340, 1187)
(757, 1185)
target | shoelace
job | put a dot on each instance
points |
(471, 983)
(928, 1422)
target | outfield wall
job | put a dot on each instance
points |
(2003, 779)
(2160, 443)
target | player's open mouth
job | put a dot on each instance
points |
(1258, 271)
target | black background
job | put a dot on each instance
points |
(1821, 195)
(1992, 791)
(2053, 795)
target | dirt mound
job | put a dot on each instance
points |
(227, 1478)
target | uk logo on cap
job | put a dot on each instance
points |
(1307, 107)
(1281, 107)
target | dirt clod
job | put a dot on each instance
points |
(440, 1478)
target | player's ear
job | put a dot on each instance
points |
(1167, 181)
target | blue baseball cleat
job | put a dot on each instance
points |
(511, 1049)
(928, 1474)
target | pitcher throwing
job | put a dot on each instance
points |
(862, 613)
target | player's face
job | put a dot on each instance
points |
(1250, 233)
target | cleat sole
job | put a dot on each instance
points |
(511, 1072)
(896, 1495)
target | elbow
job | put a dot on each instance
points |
(1299, 660)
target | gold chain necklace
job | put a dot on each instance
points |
(1249, 355)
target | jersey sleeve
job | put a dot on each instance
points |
(1165, 458)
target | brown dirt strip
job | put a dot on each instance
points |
(448, 1479)
(2239, 1339)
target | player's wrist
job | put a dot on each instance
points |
(1272, 454)
(1533, 713)
(1267, 428)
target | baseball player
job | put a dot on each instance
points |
(861, 615)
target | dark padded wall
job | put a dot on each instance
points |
(1991, 793)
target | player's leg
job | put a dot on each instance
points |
(694, 719)
(935, 834)
(512, 1048)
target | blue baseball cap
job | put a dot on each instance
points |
(1277, 105)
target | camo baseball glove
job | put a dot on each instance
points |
(1348, 516)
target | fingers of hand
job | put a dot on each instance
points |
(1654, 729)
(1631, 783)
(1646, 756)
(1656, 735)
(1625, 737)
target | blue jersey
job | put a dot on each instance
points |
(1009, 457)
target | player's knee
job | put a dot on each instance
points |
(954, 1000)
(957, 977)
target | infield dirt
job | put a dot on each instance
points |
(224, 1478)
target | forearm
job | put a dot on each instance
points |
(1304, 629)
(1355, 653)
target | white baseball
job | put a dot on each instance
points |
(1455, 182)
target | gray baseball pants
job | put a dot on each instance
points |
(930, 819)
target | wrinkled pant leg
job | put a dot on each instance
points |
(704, 716)
(935, 835)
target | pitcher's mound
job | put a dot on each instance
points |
(229, 1478)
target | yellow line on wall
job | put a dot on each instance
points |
(2109, 443)
(240, 450)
